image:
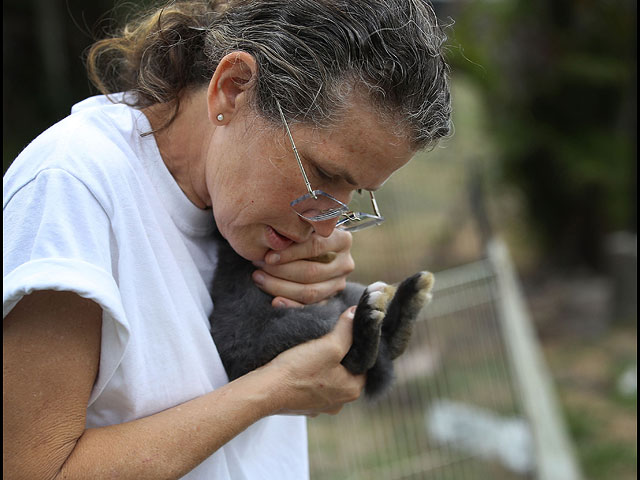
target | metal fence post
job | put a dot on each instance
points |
(554, 451)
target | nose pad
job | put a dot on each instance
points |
(325, 228)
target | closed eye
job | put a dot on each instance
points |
(323, 175)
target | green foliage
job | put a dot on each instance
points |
(558, 77)
(605, 461)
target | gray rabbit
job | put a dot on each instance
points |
(249, 332)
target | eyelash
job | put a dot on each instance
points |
(323, 175)
(327, 177)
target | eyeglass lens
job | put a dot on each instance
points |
(326, 208)
(323, 207)
(353, 222)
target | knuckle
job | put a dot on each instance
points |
(348, 240)
(350, 265)
(310, 295)
(354, 394)
(332, 351)
(337, 352)
(312, 272)
(316, 246)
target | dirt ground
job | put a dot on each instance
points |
(588, 354)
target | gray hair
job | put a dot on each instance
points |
(312, 56)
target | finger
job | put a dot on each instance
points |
(302, 271)
(314, 247)
(324, 258)
(343, 331)
(301, 293)
(282, 302)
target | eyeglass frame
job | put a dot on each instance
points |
(345, 215)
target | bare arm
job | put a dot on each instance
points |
(51, 356)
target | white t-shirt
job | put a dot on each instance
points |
(90, 207)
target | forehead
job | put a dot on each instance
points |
(360, 145)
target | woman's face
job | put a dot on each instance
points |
(252, 175)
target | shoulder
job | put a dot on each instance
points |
(99, 144)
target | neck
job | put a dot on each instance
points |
(183, 143)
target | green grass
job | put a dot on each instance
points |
(601, 420)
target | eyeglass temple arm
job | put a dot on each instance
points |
(374, 204)
(295, 152)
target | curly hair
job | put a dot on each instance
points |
(312, 55)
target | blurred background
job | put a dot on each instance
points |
(543, 156)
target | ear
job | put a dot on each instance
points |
(230, 85)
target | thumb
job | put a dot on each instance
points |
(343, 331)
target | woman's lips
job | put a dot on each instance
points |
(276, 241)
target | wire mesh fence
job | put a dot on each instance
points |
(454, 411)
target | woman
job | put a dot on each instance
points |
(109, 367)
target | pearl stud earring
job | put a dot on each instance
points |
(220, 117)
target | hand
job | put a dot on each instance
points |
(296, 276)
(314, 380)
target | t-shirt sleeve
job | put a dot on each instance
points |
(57, 236)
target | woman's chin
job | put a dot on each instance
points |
(252, 253)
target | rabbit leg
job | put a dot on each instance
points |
(367, 325)
(412, 294)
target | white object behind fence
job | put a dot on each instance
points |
(472, 399)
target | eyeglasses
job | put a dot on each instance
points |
(318, 206)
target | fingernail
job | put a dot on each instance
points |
(273, 258)
(351, 312)
(258, 277)
(280, 304)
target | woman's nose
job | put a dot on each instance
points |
(325, 228)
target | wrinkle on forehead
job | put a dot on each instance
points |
(362, 146)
